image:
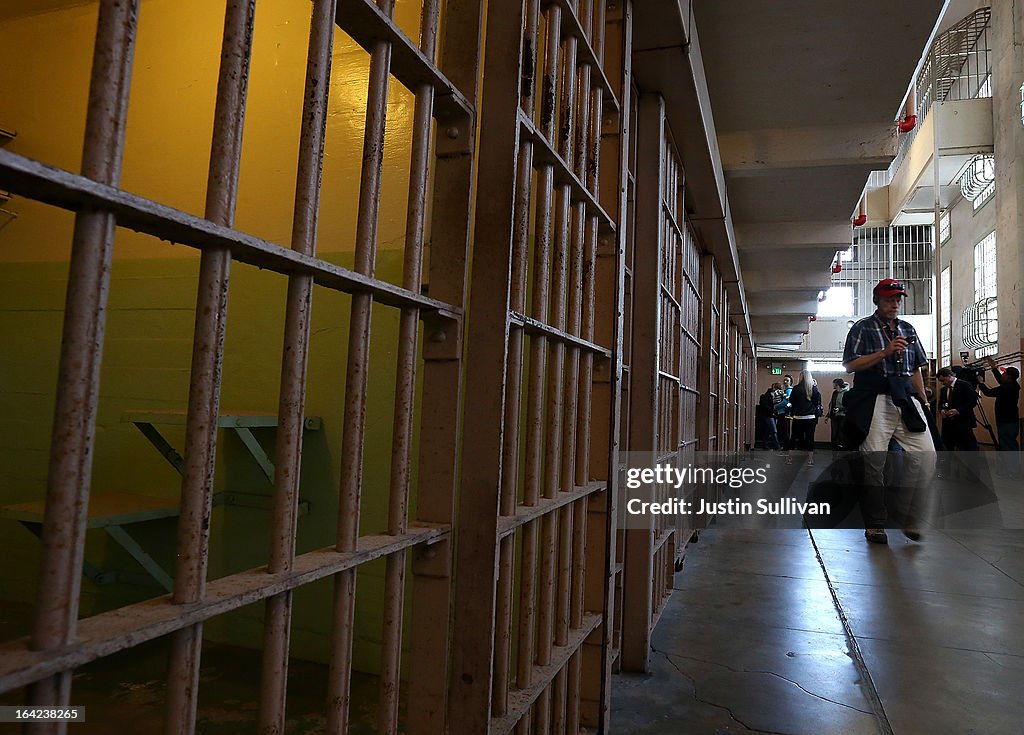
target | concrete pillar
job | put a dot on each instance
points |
(1007, 39)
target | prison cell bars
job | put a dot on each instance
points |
(193, 537)
(620, 259)
(678, 251)
(67, 493)
(35, 662)
(295, 358)
(709, 374)
(644, 374)
(664, 370)
(542, 508)
(690, 300)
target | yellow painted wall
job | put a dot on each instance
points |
(44, 69)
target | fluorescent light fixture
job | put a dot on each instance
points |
(825, 366)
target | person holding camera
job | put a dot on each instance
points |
(886, 402)
(1007, 395)
(957, 400)
(837, 412)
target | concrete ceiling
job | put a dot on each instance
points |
(804, 96)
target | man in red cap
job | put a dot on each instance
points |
(887, 402)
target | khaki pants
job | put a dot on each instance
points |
(915, 496)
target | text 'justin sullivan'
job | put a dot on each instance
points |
(678, 506)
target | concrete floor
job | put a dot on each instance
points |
(793, 632)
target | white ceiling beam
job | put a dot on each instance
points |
(785, 279)
(801, 303)
(778, 323)
(777, 235)
(767, 152)
(778, 338)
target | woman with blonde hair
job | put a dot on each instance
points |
(806, 401)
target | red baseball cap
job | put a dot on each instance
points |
(889, 287)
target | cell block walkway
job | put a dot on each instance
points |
(783, 632)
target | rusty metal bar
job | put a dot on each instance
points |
(573, 519)
(74, 424)
(295, 358)
(544, 153)
(579, 385)
(207, 361)
(535, 327)
(405, 383)
(523, 699)
(527, 513)
(611, 396)
(356, 379)
(37, 181)
(442, 405)
(591, 53)
(534, 548)
(107, 633)
(513, 402)
(645, 398)
(544, 272)
(369, 24)
(476, 555)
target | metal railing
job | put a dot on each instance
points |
(958, 67)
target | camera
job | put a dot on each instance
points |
(968, 373)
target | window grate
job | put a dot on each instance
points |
(903, 252)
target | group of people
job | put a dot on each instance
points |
(888, 408)
(789, 414)
(959, 398)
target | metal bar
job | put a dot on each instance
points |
(69, 473)
(571, 26)
(534, 326)
(356, 377)
(599, 526)
(581, 371)
(644, 394)
(207, 360)
(370, 24)
(526, 514)
(441, 404)
(503, 626)
(70, 191)
(128, 626)
(569, 274)
(513, 403)
(521, 700)
(544, 153)
(139, 554)
(546, 271)
(474, 602)
(295, 358)
(405, 383)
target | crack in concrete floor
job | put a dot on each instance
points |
(727, 710)
(797, 684)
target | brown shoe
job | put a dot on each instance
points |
(912, 533)
(876, 536)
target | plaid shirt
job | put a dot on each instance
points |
(870, 334)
